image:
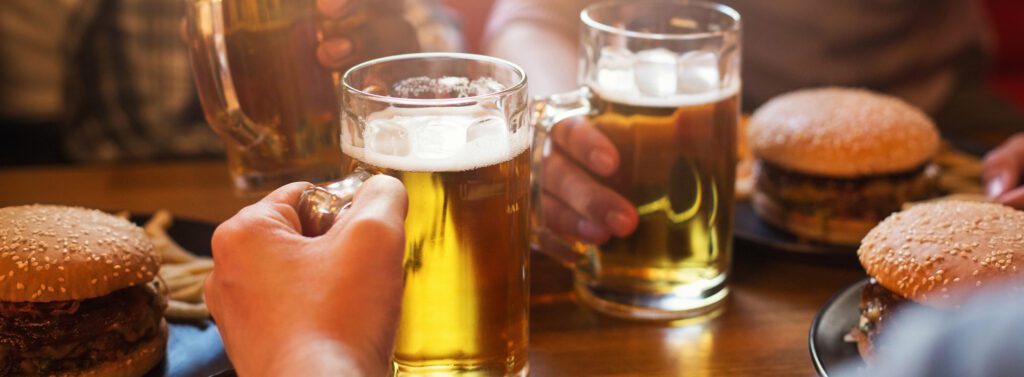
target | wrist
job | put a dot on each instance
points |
(318, 356)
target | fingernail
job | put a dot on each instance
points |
(590, 231)
(602, 162)
(619, 222)
(996, 186)
(338, 49)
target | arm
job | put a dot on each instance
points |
(550, 60)
(541, 36)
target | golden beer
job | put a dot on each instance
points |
(677, 167)
(465, 303)
(269, 96)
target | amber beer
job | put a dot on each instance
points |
(678, 159)
(271, 98)
(465, 304)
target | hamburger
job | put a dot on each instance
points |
(76, 297)
(832, 162)
(935, 255)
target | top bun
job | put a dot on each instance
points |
(935, 252)
(842, 132)
(56, 253)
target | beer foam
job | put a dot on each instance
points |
(660, 78)
(634, 98)
(437, 139)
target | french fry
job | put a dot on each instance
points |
(182, 273)
(180, 282)
(161, 221)
(192, 293)
(181, 310)
(169, 250)
(195, 267)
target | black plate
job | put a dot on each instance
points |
(752, 229)
(834, 320)
(194, 349)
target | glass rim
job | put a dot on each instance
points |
(590, 22)
(520, 84)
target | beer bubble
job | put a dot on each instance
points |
(487, 126)
(697, 72)
(615, 69)
(440, 138)
(654, 72)
(388, 137)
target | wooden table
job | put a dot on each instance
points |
(762, 330)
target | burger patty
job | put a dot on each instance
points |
(49, 337)
(877, 306)
(868, 198)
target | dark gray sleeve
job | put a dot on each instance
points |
(984, 339)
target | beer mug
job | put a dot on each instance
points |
(454, 129)
(263, 91)
(661, 80)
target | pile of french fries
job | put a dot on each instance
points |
(181, 272)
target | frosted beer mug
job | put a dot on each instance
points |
(454, 129)
(661, 80)
(263, 91)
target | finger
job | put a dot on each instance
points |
(1002, 167)
(561, 219)
(382, 198)
(595, 202)
(283, 201)
(1014, 198)
(998, 171)
(587, 145)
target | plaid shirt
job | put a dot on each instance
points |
(129, 89)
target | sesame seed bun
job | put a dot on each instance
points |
(136, 364)
(937, 252)
(56, 253)
(842, 132)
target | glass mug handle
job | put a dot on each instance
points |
(208, 54)
(319, 206)
(548, 112)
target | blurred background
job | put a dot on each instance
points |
(101, 81)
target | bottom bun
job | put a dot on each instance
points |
(136, 364)
(833, 230)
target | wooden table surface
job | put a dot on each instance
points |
(762, 330)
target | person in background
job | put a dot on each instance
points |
(290, 305)
(109, 80)
(932, 54)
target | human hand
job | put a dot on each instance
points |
(287, 304)
(1002, 170)
(384, 32)
(574, 204)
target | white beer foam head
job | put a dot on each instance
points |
(659, 78)
(437, 139)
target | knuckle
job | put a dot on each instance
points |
(377, 227)
(1017, 140)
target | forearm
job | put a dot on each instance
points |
(549, 57)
